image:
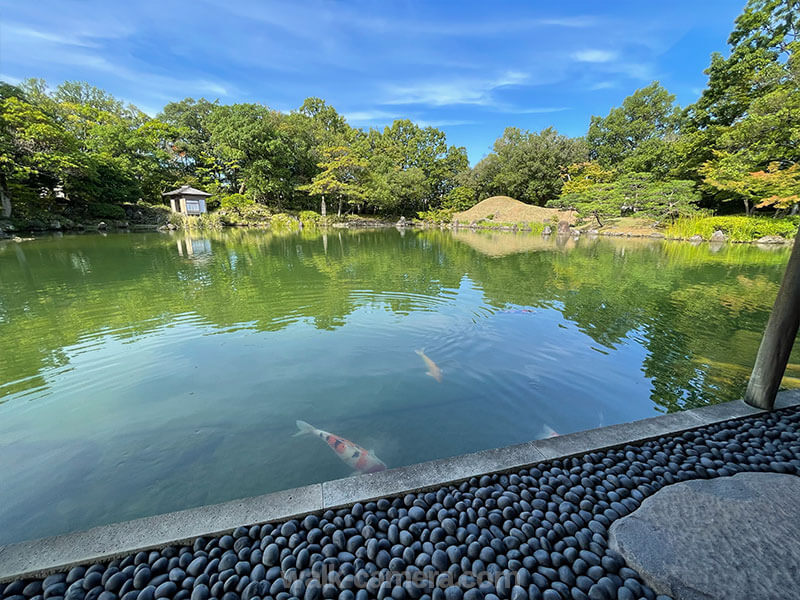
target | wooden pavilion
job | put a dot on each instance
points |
(187, 200)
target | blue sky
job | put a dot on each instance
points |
(470, 68)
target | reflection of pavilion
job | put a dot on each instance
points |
(190, 247)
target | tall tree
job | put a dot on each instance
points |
(528, 165)
(339, 178)
(637, 135)
(748, 116)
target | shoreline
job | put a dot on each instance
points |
(24, 234)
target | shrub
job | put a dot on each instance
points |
(251, 214)
(144, 213)
(437, 216)
(204, 221)
(309, 218)
(235, 202)
(282, 222)
(737, 228)
(459, 198)
(103, 210)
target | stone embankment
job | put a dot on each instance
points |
(540, 532)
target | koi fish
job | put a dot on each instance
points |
(550, 432)
(433, 369)
(363, 461)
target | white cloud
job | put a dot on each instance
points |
(370, 116)
(602, 85)
(595, 55)
(459, 91)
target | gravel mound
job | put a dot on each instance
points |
(503, 209)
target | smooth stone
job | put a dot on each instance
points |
(201, 592)
(197, 566)
(731, 538)
(166, 590)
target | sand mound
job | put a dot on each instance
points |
(508, 210)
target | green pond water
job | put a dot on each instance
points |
(146, 373)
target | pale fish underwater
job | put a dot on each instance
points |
(433, 369)
(550, 432)
(363, 461)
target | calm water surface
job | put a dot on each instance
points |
(145, 373)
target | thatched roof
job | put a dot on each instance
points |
(186, 190)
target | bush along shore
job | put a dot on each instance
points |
(148, 217)
(139, 216)
(496, 213)
(538, 533)
(758, 230)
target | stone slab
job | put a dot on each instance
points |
(118, 539)
(615, 435)
(787, 399)
(735, 409)
(431, 474)
(729, 538)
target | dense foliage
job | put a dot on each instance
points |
(739, 143)
(78, 149)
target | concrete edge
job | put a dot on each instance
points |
(40, 557)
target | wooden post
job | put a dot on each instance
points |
(779, 336)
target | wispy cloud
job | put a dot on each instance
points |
(595, 56)
(536, 110)
(443, 122)
(47, 36)
(489, 27)
(459, 91)
(602, 85)
(370, 116)
(640, 71)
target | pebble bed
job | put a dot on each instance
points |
(537, 533)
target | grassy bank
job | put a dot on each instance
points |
(735, 228)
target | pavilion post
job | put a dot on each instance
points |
(779, 336)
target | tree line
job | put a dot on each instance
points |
(78, 150)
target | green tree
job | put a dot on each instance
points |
(339, 177)
(235, 202)
(637, 136)
(671, 199)
(459, 199)
(748, 114)
(410, 167)
(764, 37)
(579, 177)
(600, 200)
(36, 152)
(528, 165)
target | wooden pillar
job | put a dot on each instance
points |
(779, 336)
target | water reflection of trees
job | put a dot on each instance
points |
(698, 311)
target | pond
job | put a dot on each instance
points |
(145, 372)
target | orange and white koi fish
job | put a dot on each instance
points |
(363, 461)
(433, 369)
